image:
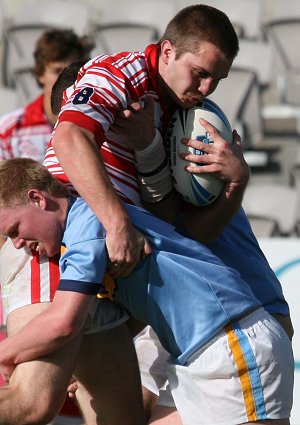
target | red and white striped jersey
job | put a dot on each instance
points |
(25, 132)
(103, 87)
(26, 278)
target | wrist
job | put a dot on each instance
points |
(153, 171)
(146, 141)
(146, 159)
(241, 178)
(236, 188)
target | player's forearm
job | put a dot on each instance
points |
(49, 330)
(86, 171)
(30, 343)
(155, 181)
(207, 223)
(167, 209)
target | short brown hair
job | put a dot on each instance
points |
(200, 22)
(19, 175)
(58, 45)
(66, 78)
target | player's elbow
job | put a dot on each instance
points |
(64, 330)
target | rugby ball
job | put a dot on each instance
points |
(198, 189)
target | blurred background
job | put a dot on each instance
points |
(261, 98)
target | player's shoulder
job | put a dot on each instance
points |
(123, 61)
(82, 225)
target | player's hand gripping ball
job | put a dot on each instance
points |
(198, 189)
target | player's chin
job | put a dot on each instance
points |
(189, 102)
(49, 251)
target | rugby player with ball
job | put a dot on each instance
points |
(194, 54)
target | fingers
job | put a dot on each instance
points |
(71, 390)
(116, 269)
(209, 128)
(123, 269)
(196, 144)
(137, 105)
(214, 133)
(217, 139)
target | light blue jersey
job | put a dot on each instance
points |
(182, 289)
(237, 247)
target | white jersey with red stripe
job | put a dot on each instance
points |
(104, 87)
(26, 278)
(25, 132)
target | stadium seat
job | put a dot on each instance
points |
(286, 9)
(128, 25)
(9, 100)
(122, 36)
(238, 96)
(245, 15)
(154, 13)
(264, 227)
(277, 202)
(258, 56)
(282, 30)
(18, 47)
(30, 21)
(284, 36)
(72, 14)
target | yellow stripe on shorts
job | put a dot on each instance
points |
(241, 363)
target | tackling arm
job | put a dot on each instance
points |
(85, 169)
(54, 327)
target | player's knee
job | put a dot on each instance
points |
(41, 410)
(27, 409)
(39, 414)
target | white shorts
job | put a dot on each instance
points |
(27, 279)
(243, 374)
(153, 361)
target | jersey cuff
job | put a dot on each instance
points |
(78, 286)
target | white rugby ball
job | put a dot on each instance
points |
(198, 189)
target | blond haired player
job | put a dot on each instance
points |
(231, 362)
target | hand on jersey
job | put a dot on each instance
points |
(222, 158)
(126, 247)
(136, 123)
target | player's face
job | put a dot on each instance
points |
(32, 227)
(48, 78)
(51, 72)
(192, 77)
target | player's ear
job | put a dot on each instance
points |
(166, 51)
(36, 197)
